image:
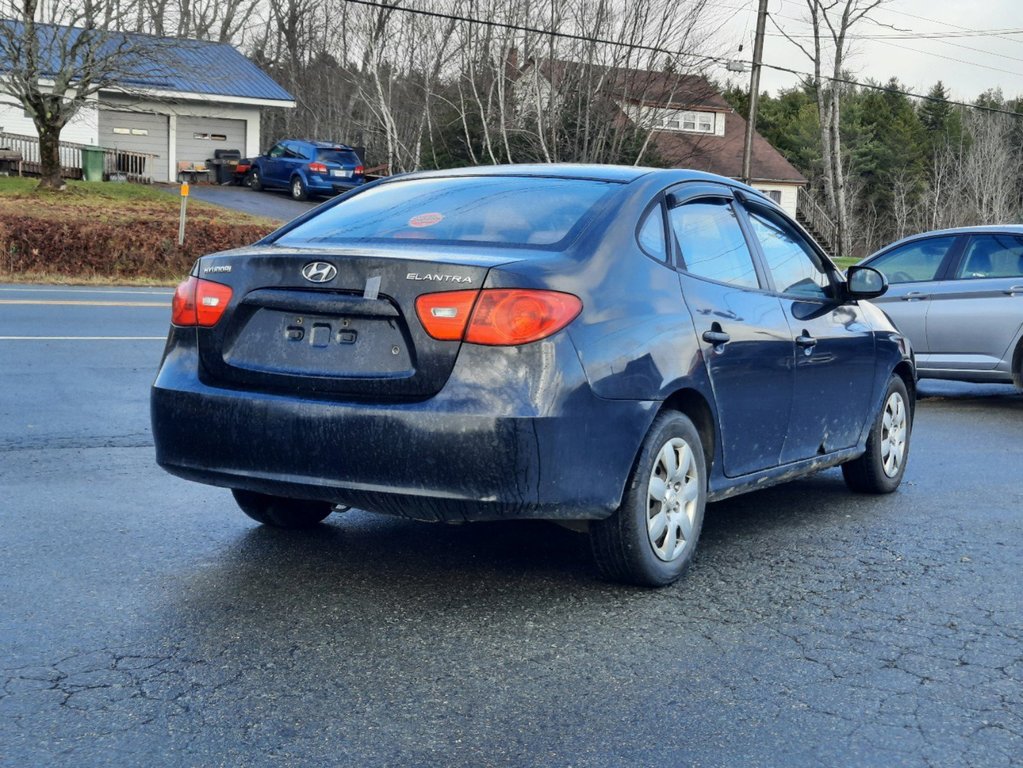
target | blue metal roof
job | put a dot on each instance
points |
(166, 64)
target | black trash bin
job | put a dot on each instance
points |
(223, 164)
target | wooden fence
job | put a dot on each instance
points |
(118, 164)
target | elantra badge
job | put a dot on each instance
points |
(319, 272)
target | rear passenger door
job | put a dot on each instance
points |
(296, 154)
(742, 330)
(835, 362)
(977, 313)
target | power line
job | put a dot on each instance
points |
(950, 58)
(659, 49)
(886, 40)
(944, 23)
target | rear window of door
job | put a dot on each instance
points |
(991, 256)
(792, 263)
(915, 262)
(711, 242)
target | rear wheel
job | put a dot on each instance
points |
(651, 538)
(281, 512)
(255, 180)
(298, 189)
(881, 468)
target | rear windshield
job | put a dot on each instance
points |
(488, 209)
(339, 156)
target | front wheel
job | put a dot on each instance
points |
(281, 512)
(881, 468)
(651, 537)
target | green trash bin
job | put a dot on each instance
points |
(92, 163)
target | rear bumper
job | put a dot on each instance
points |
(331, 186)
(491, 445)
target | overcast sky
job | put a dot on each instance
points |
(986, 49)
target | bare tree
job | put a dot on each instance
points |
(831, 22)
(992, 168)
(56, 58)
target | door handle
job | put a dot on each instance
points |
(1014, 290)
(717, 338)
(806, 341)
(914, 296)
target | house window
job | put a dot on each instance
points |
(774, 194)
(682, 120)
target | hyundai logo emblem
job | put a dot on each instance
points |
(319, 272)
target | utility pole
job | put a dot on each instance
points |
(754, 91)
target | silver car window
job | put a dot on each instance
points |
(995, 255)
(916, 261)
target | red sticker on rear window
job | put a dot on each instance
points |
(425, 219)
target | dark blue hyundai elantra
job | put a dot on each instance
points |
(613, 346)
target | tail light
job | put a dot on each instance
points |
(199, 302)
(359, 170)
(317, 167)
(496, 317)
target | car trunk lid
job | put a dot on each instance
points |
(333, 322)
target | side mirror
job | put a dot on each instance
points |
(865, 283)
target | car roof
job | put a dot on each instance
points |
(1009, 229)
(622, 174)
(324, 144)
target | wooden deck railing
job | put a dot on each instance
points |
(816, 219)
(119, 164)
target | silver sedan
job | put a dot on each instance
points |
(958, 295)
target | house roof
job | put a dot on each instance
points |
(639, 86)
(699, 151)
(162, 64)
(723, 154)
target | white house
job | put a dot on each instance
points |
(194, 97)
(691, 124)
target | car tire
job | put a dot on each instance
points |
(255, 180)
(650, 539)
(298, 189)
(281, 512)
(881, 467)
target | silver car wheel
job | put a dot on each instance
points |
(672, 495)
(893, 434)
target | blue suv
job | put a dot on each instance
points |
(307, 168)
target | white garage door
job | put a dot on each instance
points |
(198, 137)
(137, 132)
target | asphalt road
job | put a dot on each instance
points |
(145, 621)
(274, 204)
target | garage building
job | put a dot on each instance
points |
(198, 98)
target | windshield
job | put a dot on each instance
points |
(482, 209)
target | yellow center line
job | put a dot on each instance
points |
(77, 303)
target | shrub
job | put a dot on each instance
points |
(89, 238)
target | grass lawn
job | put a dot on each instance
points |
(110, 233)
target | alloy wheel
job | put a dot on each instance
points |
(672, 495)
(893, 434)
